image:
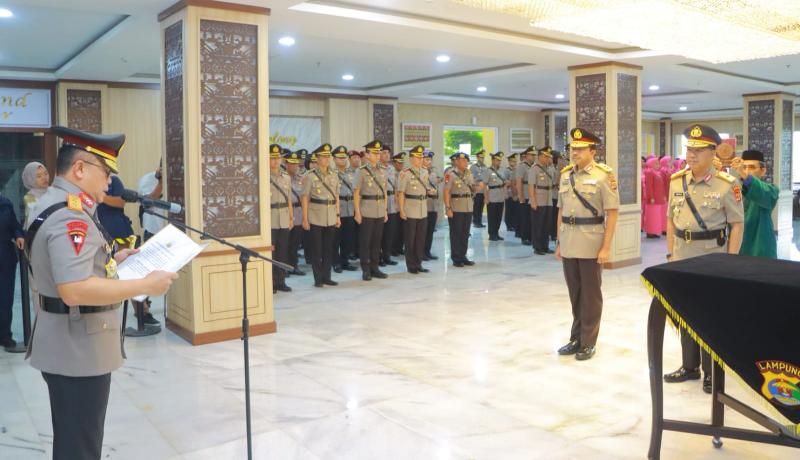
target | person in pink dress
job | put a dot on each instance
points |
(655, 198)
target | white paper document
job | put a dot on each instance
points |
(168, 250)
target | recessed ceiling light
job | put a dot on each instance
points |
(481, 89)
(560, 96)
(5, 13)
(654, 88)
(286, 41)
(443, 58)
(683, 108)
(347, 77)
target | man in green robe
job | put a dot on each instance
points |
(760, 199)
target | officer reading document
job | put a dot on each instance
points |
(76, 340)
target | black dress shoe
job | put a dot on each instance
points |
(431, 256)
(366, 276)
(468, 262)
(549, 251)
(426, 259)
(526, 242)
(149, 319)
(585, 353)
(283, 288)
(500, 238)
(379, 274)
(570, 348)
(318, 284)
(423, 270)
(539, 253)
(494, 238)
(682, 375)
(413, 271)
(707, 384)
(458, 264)
(8, 343)
(348, 267)
(337, 269)
(391, 262)
(382, 263)
(331, 283)
(298, 272)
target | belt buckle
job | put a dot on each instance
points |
(687, 236)
(572, 220)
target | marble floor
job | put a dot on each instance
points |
(454, 364)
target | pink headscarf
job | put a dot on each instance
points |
(665, 160)
(651, 163)
(678, 165)
(29, 178)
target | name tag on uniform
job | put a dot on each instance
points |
(677, 194)
(590, 181)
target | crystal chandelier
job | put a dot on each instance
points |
(708, 30)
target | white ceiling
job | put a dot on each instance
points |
(390, 48)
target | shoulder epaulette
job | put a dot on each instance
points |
(679, 174)
(604, 167)
(567, 168)
(74, 203)
(726, 177)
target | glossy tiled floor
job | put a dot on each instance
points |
(454, 364)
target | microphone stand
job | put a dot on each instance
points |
(244, 257)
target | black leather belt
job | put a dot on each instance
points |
(524, 182)
(688, 235)
(390, 192)
(492, 187)
(415, 197)
(295, 204)
(56, 305)
(320, 201)
(345, 198)
(371, 197)
(460, 195)
(572, 220)
(544, 187)
(278, 205)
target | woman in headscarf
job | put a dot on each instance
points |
(36, 179)
(654, 197)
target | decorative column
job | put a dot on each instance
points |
(665, 137)
(82, 106)
(605, 98)
(216, 114)
(768, 127)
(383, 122)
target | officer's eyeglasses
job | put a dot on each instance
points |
(105, 169)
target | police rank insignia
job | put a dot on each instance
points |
(76, 231)
(781, 382)
(696, 132)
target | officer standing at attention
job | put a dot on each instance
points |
(555, 171)
(281, 215)
(511, 213)
(540, 189)
(399, 163)
(320, 202)
(588, 205)
(412, 197)
(458, 190)
(76, 339)
(345, 235)
(497, 182)
(370, 199)
(434, 203)
(477, 170)
(292, 162)
(703, 202)
(390, 229)
(524, 222)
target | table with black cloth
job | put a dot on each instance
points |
(745, 311)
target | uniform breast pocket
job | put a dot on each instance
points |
(102, 322)
(714, 203)
(589, 189)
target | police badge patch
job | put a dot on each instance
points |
(76, 232)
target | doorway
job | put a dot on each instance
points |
(16, 150)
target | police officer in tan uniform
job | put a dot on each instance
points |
(370, 198)
(459, 188)
(496, 181)
(281, 215)
(540, 190)
(703, 202)
(346, 233)
(511, 213)
(398, 243)
(434, 202)
(588, 205)
(292, 162)
(77, 336)
(320, 202)
(478, 170)
(412, 200)
(390, 229)
(524, 222)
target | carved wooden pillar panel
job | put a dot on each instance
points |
(82, 106)
(605, 99)
(665, 137)
(383, 121)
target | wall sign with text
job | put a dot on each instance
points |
(295, 133)
(25, 108)
(520, 139)
(415, 134)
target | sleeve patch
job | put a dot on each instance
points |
(613, 181)
(76, 232)
(737, 193)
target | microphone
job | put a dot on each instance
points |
(132, 197)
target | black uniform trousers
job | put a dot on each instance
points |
(295, 237)
(459, 235)
(8, 272)
(692, 354)
(414, 234)
(494, 214)
(477, 208)
(431, 226)
(511, 214)
(553, 223)
(307, 245)
(280, 239)
(389, 235)
(78, 410)
(584, 278)
(540, 227)
(524, 223)
(320, 241)
(370, 237)
(399, 239)
(345, 241)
